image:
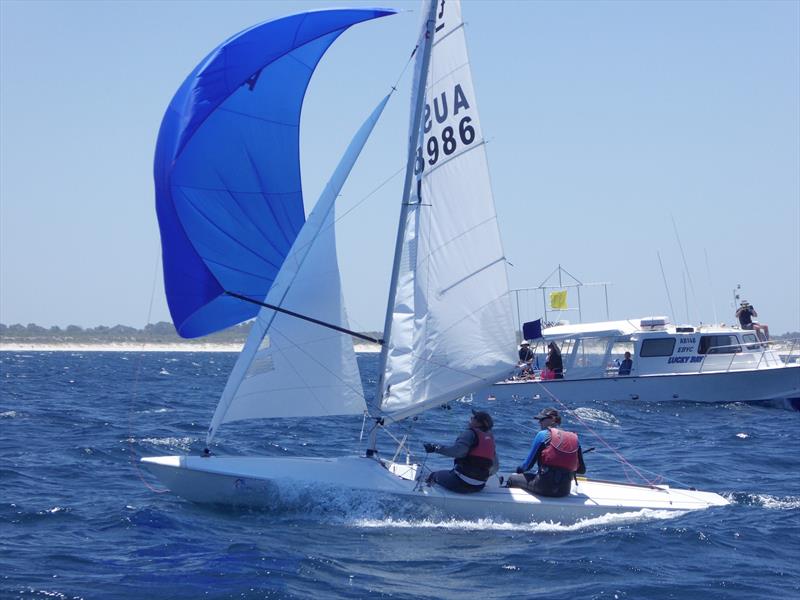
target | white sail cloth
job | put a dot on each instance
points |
(290, 367)
(452, 328)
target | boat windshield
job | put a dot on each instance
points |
(719, 344)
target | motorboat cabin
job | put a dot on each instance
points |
(734, 363)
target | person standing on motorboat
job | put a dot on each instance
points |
(626, 365)
(558, 456)
(745, 314)
(474, 454)
(554, 358)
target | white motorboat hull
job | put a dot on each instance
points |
(261, 482)
(778, 384)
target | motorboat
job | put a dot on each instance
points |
(705, 363)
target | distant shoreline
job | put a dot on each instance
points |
(135, 347)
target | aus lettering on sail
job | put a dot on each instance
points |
(447, 127)
(450, 118)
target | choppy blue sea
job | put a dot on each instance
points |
(79, 520)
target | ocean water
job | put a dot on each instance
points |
(78, 519)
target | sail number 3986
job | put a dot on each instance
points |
(449, 143)
(450, 137)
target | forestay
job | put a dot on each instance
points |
(452, 329)
(290, 367)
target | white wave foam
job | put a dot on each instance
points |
(535, 527)
(9, 414)
(773, 502)
(52, 594)
(54, 510)
(595, 415)
(182, 443)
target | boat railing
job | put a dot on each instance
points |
(767, 356)
(788, 350)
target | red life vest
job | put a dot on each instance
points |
(485, 446)
(478, 462)
(562, 451)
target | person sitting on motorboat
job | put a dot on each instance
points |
(558, 456)
(547, 372)
(474, 454)
(554, 358)
(626, 365)
(745, 314)
(525, 353)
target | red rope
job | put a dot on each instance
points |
(624, 461)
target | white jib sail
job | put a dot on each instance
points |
(452, 328)
(290, 367)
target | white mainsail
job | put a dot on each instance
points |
(452, 329)
(290, 367)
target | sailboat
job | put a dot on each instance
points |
(235, 246)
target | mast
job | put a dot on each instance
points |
(398, 247)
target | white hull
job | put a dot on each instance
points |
(260, 482)
(782, 383)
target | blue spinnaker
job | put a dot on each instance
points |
(227, 167)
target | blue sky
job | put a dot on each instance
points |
(607, 121)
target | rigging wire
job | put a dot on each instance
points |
(664, 277)
(398, 171)
(135, 392)
(620, 458)
(711, 287)
(685, 264)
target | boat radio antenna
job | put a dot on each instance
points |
(666, 287)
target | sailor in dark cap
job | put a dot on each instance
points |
(474, 454)
(557, 454)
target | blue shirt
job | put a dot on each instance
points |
(539, 441)
(625, 367)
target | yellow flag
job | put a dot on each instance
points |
(558, 300)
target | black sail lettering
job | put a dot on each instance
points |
(427, 118)
(440, 26)
(440, 116)
(460, 99)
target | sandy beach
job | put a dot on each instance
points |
(132, 347)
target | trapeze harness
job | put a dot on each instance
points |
(475, 467)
